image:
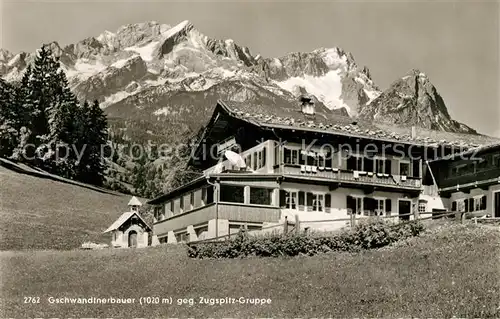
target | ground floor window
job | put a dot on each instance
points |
(318, 202)
(422, 207)
(261, 196)
(288, 199)
(368, 206)
(232, 193)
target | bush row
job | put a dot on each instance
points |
(365, 235)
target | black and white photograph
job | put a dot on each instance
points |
(249, 159)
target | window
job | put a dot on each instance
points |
(354, 205)
(368, 164)
(380, 206)
(181, 204)
(191, 200)
(182, 237)
(461, 205)
(261, 196)
(422, 207)
(355, 163)
(496, 160)
(288, 199)
(404, 168)
(231, 193)
(369, 206)
(318, 202)
(480, 203)
(416, 168)
(380, 165)
(207, 195)
(359, 205)
(454, 206)
(291, 156)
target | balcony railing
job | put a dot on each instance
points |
(342, 175)
(231, 211)
(469, 178)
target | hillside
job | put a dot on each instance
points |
(42, 211)
(449, 272)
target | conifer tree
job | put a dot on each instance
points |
(94, 138)
(9, 120)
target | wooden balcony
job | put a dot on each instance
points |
(350, 177)
(230, 211)
(470, 179)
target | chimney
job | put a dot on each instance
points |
(307, 105)
(413, 131)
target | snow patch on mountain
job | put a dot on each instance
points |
(326, 88)
(176, 29)
(146, 51)
(121, 63)
(85, 68)
(115, 98)
(165, 111)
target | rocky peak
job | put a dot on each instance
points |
(5, 55)
(413, 100)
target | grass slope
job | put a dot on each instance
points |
(43, 211)
(446, 272)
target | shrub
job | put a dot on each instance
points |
(369, 234)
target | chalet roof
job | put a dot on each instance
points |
(122, 219)
(471, 151)
(290, 116)
(134, 202)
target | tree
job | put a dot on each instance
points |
(9, 119)
(93, 138)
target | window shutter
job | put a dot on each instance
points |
(388, 167)
(471, 204)
(483, 202)
(351, 203)
(416, 168)
(454, 206)
(366, 203)
(309, 199)
(329, 159)
(282, 198)
(328, 200)
(302, 198)
(328, 203)
(309, 202)
(388, 205)
(351, 163)
(368, 164)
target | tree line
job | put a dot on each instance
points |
(43, 124)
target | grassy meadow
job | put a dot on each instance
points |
(451, 270)
(40, 211)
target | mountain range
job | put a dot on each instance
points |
(160, 83)
(140, 67)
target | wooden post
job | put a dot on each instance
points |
(297, 224)
(353, 219)
(285, 225)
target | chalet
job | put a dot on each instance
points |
(470, 180)
(129, 230)
(300, 160)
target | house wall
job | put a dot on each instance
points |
(478, 192)
(338, 208)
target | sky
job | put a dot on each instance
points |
(456, 43)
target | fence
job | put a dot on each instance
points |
(288, 227)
